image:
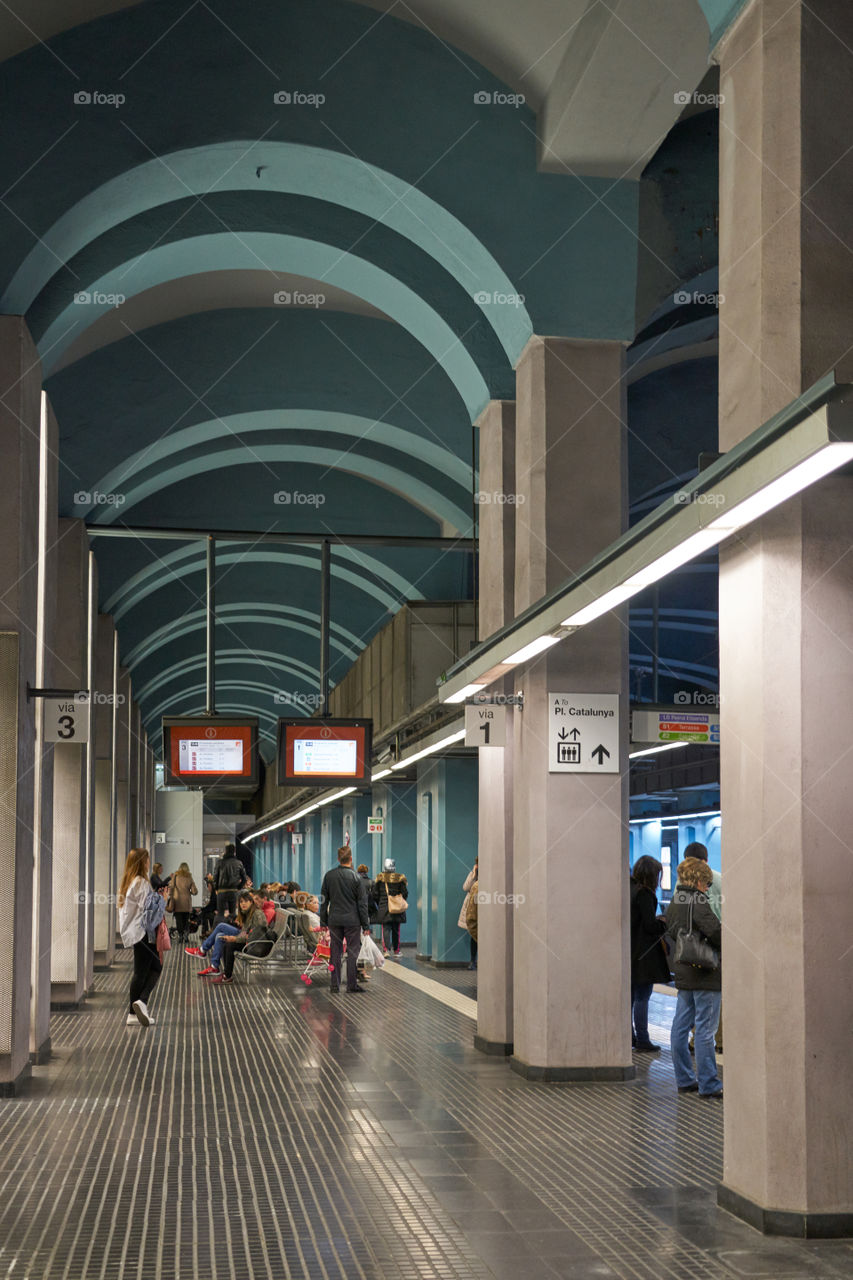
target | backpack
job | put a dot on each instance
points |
(153, 911)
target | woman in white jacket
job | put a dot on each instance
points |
(133, 892)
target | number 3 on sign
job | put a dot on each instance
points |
(485, 726)
(66, 720)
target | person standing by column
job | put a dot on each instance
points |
(470, 879)
(230, 878)
(138, 929)
(648, 959)
(699, 988)
(391, 893)
(179, 901)
(715, 902)
(343, 907)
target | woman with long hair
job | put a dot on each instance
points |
(132, 896)
(182, 892)
(253, 928)
(648, 958)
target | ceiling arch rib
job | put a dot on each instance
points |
(284, 254)
(260, 659)
(290, 168)
(233, 615)
(152, 458)
(429, 500)
(188, 560)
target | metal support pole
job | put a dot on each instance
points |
(325, 601)
(211, 626)
(655, 643)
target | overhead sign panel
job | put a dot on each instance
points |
(210, 751)
(485, 726)
(675, 725)
(66, 719)
(583, 733)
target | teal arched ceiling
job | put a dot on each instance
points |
(397, 102)
(344, 406)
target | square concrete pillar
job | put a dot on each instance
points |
(104, 860)
(20, 413)
(497, 515)
(786, 613)
(570, 845)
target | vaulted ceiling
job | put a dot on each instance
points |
(277, 258)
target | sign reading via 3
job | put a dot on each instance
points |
(485, 726)
(66, 719)
(583, 733)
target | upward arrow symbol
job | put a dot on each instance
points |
(576, 733)
(600, 751)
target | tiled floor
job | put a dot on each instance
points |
(278, 1131)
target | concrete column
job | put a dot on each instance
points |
(19, 465)
(48, 673)
(121, 730)
(331, 834)
(570, 830)
(356, 810)
(134, 725)
(70, 760)
(398, 805)
(89, 878)
(104, 870)
(786, 613)
(496, 597)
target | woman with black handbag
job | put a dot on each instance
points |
(696, 933)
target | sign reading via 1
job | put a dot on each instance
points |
(485, 726)
(583, 733)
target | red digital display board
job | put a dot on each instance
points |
(320, 753)
(209, 750)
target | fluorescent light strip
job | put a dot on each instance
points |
(679, 817)
(602, 605)
(819, 465)
(464, 693)
(383, 773)
(529, 651)
(294, 817)
(428, 751)
(653, 751)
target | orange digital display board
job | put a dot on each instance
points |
(201, 750)
(323, 752)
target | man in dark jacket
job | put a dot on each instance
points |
(230, 878)
(343, 907)
(699, 989)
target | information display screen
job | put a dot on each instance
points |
(322, 752)
(204, 751)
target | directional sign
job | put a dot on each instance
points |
(296, 838)
(485, 726)
(376, 826)
(675, 725)
(66, 720)
(583, 733)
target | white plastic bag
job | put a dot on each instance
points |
(370, 953)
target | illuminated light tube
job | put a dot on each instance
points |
(428, 751)
(529, 651)
(602, 605)
(674, 559)
(464, 693)
(819, 465)
(336, 795)
(679, 817)
(383, 773)
(653, 751)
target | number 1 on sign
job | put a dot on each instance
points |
(484, 729)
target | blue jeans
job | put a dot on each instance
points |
(702, 1010)
(641, 994)
(216, 941)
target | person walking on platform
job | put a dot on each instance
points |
(229, 880)
(390, 894)
(141, 909)
(699, 987)
(179, 899)
(648, 959)
(343, 908)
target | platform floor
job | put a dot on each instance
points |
(276, 1130)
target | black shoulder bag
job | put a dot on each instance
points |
(692, 948)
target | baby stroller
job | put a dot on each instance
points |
(319, 959)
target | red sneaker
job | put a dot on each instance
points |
(193, 951)
(207, 973)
